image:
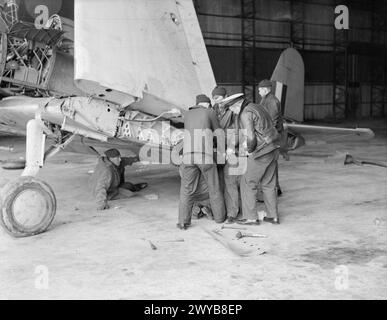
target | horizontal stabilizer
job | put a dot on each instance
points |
(335, 132)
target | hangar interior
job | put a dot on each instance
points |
(345, 70)
(332, 240)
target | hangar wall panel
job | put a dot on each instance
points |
(318, 102)
(310, 27)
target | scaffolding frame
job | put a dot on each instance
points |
(249, 39)
(377, 91)
(340, 83)
(297, 26)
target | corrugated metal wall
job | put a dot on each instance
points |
(309, 26)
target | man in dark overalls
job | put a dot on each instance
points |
(261, 137)
(108, 178)
(273, 106)
(231, 171)
(199, 122)
(225, 116)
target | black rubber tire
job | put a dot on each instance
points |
(10, 193)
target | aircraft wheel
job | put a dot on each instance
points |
(28, 206)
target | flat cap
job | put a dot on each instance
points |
(219, 91)
(112, 153)
(202, 98)
(265, 84)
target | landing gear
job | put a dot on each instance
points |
(28, 206)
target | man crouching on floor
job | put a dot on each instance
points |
(108, 179)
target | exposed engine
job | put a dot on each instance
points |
(27, 66)
(27, 54)
(100, 116)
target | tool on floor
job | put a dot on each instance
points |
(349, 159)
(233, 247)
(152, 245)
(229, 227)
(173, 240)
(241, 235)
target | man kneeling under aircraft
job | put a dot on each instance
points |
(108, 179)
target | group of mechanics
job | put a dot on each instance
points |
(225, 185)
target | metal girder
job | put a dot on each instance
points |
(378, 66)
(297, 26)
(248, 49)
(340, 72)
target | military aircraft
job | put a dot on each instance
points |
(136, 66)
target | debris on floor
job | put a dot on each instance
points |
(349, 159)
(380, 222)
(233, 247)
(240, 235)
(152, 245)
(230, 227)
(174, 240)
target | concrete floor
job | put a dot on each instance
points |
(328, 245)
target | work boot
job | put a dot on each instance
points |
(182, 226)
(271, 220)
(248, 222)
(133, 187)
(196, 212)
(140, 186)
(230, 220)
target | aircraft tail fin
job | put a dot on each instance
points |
(288, 77)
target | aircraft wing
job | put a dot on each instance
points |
(149, 52)
(83, 145)
(152, 141)
(130, 147)
(331, 133)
